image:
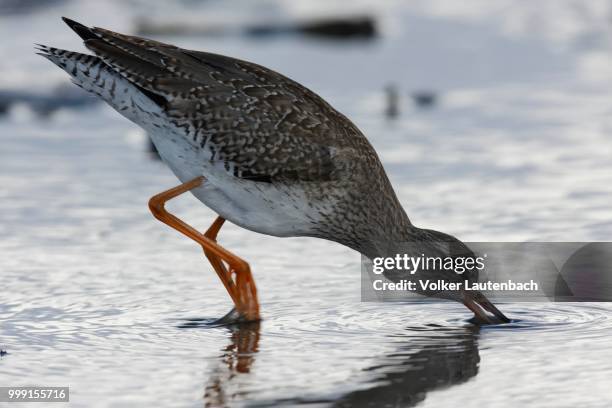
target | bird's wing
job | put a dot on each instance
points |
(260, 124)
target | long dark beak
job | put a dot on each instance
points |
(480, 305)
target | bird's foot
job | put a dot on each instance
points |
(235, 317)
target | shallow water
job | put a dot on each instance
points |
(99, 296)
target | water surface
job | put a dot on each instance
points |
(98, 295)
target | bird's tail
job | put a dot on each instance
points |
(483, 309)
(84, 69)
(93, 75)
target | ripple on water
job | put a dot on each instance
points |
(580, 320)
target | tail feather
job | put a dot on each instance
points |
(157, 82)
(187, 69)
(84, 69)
(177, 62)
(133, 68)
(82, 31)
(137, 60)
(162, 72)
(93, 75)
(141, 48)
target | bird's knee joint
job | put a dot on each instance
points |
(242, 266)
(157, 208)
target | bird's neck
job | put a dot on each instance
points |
(403, 238)
(387, 243)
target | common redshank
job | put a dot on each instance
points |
(259, 149)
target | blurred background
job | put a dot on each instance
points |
(492, 118)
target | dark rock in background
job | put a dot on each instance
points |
(391, 101)
(424, 99)
(13, 7)
(44, 104)
(336, 28)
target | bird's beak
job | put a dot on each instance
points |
(490, 307)
(480, 305)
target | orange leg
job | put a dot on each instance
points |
(236, 277)
(215, 261)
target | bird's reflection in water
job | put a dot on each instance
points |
(236, 359)
(437, 357)
(426, 358)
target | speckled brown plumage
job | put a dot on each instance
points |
(277, 158)
(263, 127)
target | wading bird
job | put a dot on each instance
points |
(259, 149)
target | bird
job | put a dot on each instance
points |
(260, 150)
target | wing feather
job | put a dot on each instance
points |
(262, 125)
